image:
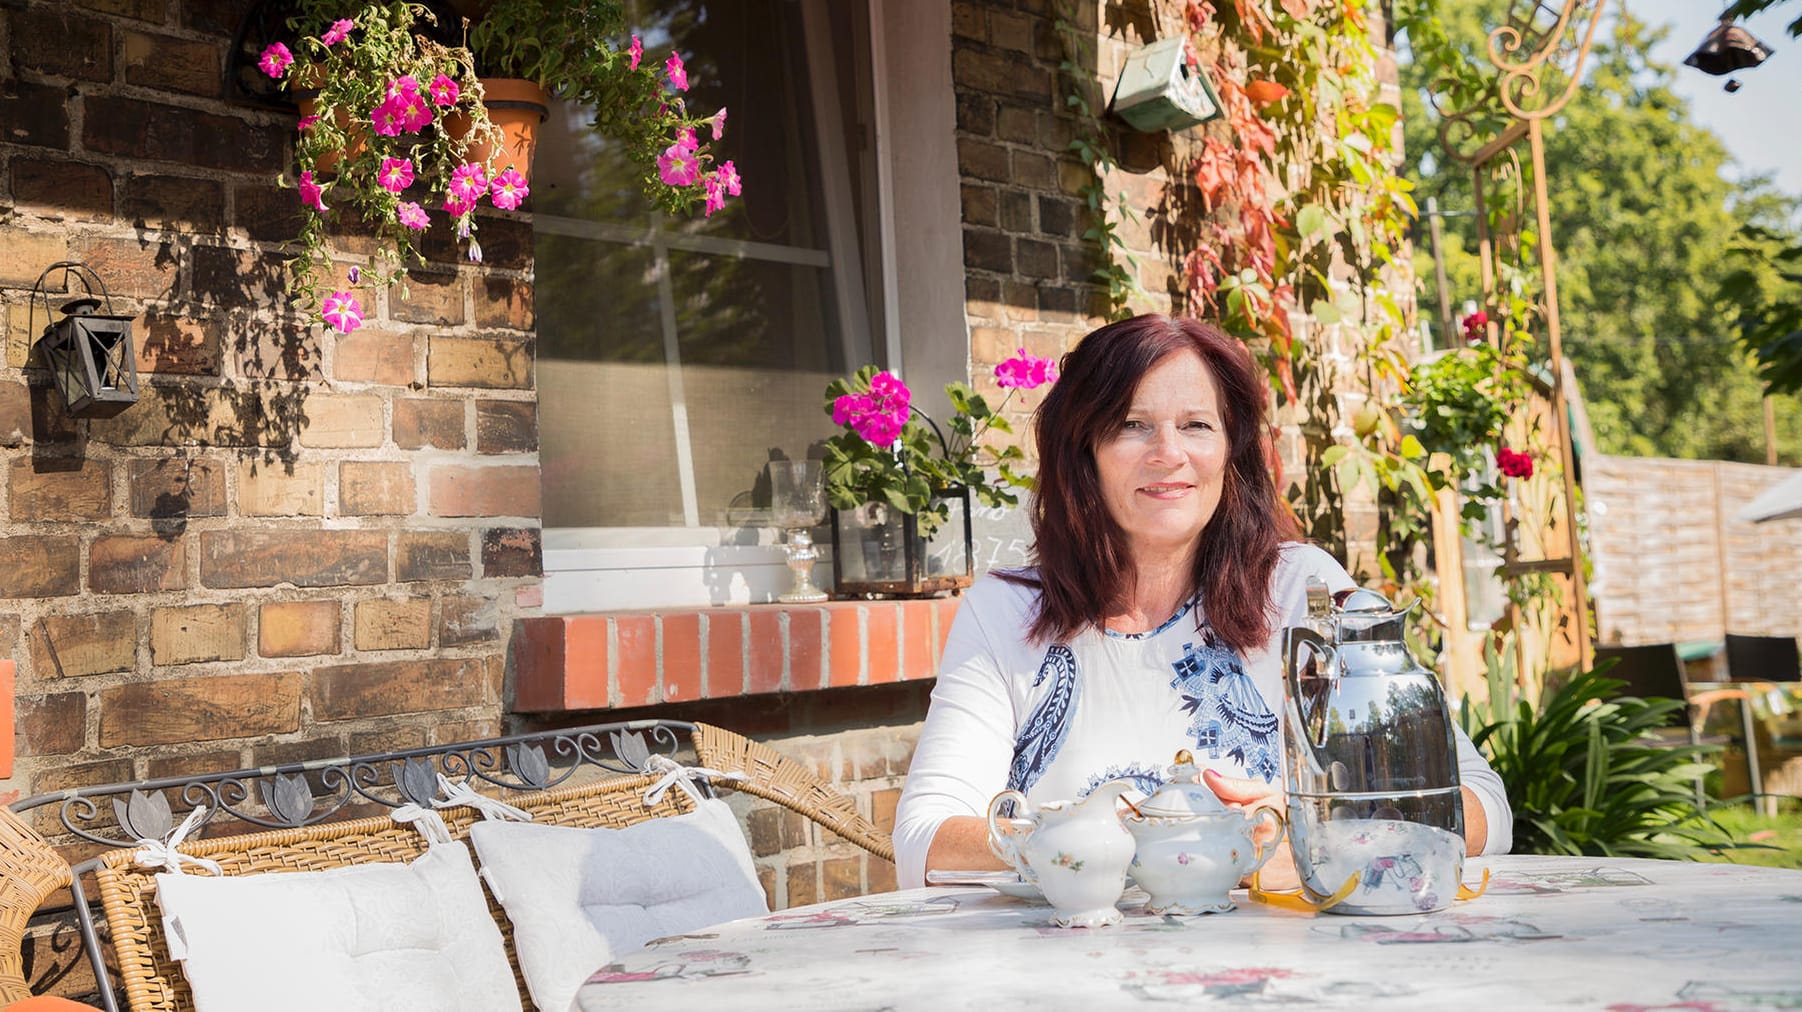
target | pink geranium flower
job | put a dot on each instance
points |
(729, 178)
(468, 182)
(678, 166)
(311, 194)
(411, 215)
(678, 75)
(276, 60)
(1025, 372)
(342, 311)
(336, 33)
(444, 92)
(396, 174)
(636, 52)
(509, 189)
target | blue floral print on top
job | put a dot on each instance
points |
(1044, 731)
(1228, 716)
(1145, 777)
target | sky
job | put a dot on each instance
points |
(1761, 124)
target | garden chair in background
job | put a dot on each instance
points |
(1656, 671)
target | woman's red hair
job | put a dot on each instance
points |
(1085, 569)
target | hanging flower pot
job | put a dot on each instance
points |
(517, 107)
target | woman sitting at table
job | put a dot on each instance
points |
(1166, 571)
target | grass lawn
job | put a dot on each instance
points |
(1760, 839)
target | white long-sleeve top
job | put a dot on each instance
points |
(1056, 721)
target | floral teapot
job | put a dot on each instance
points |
(1075, 852)
(1190, 849)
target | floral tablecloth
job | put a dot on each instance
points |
(1594, 933)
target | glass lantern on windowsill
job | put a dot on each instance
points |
(877, 551)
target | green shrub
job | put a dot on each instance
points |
(1583, 773)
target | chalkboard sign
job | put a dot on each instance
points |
(1001, 536)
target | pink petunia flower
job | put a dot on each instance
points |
(458, 208)
(729, 178)
(509, 189)
(717, 122)
(396, 174)
(636, 52)
(336, 33)
(444, 92)
(342, 311)
(311, 194)
(468, 182)
(406, 84)
(276, 60)
(386, 119)
(411, 215)
(686, 138)
(415, 112)
(678, 75)
(306, 123)
(677, 166)
(716, 197)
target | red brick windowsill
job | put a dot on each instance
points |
(640, 658)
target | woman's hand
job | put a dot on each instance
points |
(1279, 874)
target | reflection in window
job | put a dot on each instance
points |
(676, 357)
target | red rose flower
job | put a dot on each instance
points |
(1474, 325)
(1514, 464)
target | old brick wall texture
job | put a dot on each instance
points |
(297, 544)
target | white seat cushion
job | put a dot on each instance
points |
(376, 937)
(578, 897)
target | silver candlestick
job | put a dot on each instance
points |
(797, 503)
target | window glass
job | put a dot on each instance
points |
(677, 356)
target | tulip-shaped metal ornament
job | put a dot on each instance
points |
(1372, 764)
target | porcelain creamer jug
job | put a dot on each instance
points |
(1191, 849)
(1075, 852)
(1371, 762)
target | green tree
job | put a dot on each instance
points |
(1642, 215)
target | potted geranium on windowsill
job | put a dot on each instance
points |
(901, 487)
(390, 121)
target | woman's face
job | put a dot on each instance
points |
(1161, 471)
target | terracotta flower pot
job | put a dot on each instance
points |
(327, 162)
(517, 107)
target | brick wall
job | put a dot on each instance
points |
(1027, 265)
(297, 544)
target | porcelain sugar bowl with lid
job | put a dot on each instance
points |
(1190, 848)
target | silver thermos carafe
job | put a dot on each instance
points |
(1371, 764)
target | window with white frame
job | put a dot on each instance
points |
(676, 357)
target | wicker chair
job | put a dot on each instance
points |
(30, 870)
(151, 980)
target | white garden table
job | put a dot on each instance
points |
(1551, 932)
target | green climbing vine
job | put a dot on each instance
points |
(1118, 270)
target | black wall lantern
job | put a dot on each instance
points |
(1726, 49)
(89, 353)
